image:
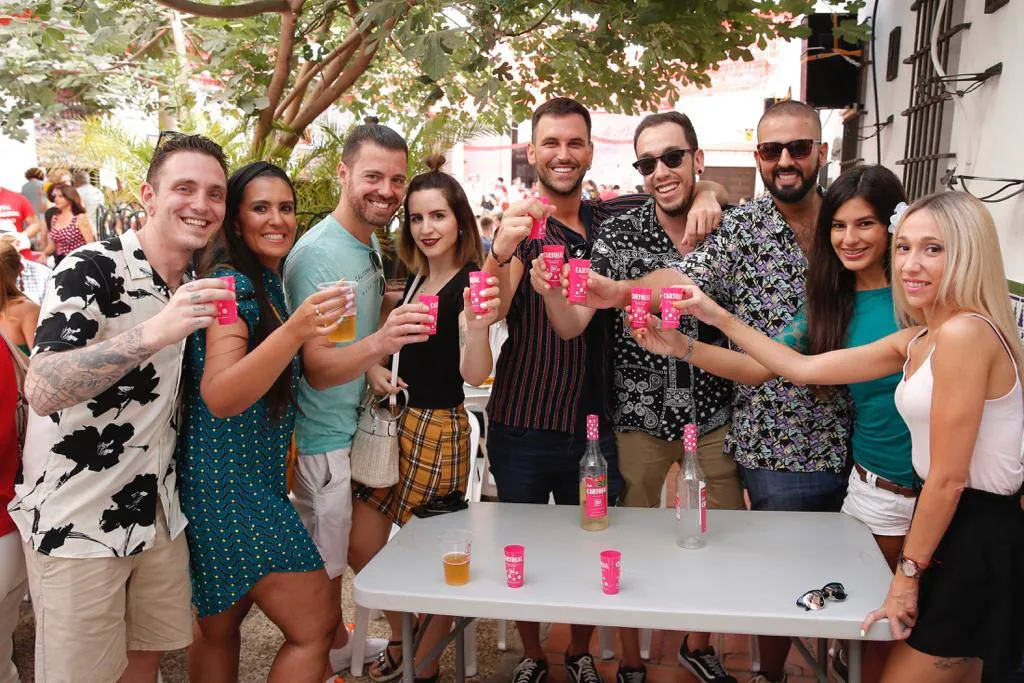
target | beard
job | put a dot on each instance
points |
(368, 213)
(545, 178)
(791, 195)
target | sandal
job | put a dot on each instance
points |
(387, 668)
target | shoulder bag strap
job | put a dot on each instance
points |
(393, 399)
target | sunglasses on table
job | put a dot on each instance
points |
(798, 149)
(672, 159)
(815, 599)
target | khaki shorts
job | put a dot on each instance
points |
(322, 495)
(91, 611)
(645, 461)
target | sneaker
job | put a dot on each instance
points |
(704, 664)
(530, 671)
(627, 675)
(341, 658)
(581, 668)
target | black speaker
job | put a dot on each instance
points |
(831, 66)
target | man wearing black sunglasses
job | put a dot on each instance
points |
(789, 442)
(545, 385)
(655, 396)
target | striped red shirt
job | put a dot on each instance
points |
(543, 381)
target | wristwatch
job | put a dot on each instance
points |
(501, 263)
(909, 568)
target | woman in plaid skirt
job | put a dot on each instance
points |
(439, 242)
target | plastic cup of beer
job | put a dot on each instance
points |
(227, 309)
(346, 331)
(456, 548)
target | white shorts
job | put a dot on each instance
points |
(322, 495)
(884, 512)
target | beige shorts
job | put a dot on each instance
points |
(91, 611)
(322, 495)
(645, 461)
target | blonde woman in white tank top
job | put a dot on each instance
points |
(955, 601)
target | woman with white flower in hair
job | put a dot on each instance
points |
(955, 603)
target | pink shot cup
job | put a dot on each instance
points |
(640, 303)
(431, 301)
(611, 568)
(553, 257)
(515, 565)
(579, 270)
(227, 309)
(669, 313)
(540, 227)
(477, 284)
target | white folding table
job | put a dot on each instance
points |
(746, 580)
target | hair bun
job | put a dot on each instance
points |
(371, 121)
(434, 161)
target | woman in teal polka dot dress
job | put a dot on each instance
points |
(246, 541)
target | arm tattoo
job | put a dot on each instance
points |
(950, 662)
(61, 379)
(462, 334)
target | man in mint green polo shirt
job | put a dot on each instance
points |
(342, 246)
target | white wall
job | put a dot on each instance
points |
(986, 133)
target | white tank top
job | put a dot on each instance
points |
(996, 465)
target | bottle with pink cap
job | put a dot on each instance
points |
(593, 482)
(691, 495)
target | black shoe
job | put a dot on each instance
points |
(581, 668)
(530, 671)
(704, 664)
(628, 675)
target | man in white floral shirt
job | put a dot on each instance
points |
(97, 502)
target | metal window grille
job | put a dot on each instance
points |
(927, 142)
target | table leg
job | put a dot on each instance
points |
(460, 649)
(823, 655)
(408, 653)
(854, 663)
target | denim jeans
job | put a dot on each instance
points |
(794, 491)
(529, 466)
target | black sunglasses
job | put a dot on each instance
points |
(378, 269)
(672, 159)
(798, 149)
(815, 599)
(167, 136)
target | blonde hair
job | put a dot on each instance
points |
(974, 279)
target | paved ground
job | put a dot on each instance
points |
(261, 639)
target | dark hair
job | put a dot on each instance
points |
(467, 242)
(486, 221)
(830, 286)
(373, 132)
(35, 173)
(231, 251)
(678, 118)
(183, 143)
(559, 106)
(792, 108)
(71, 195)
(81, 178)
